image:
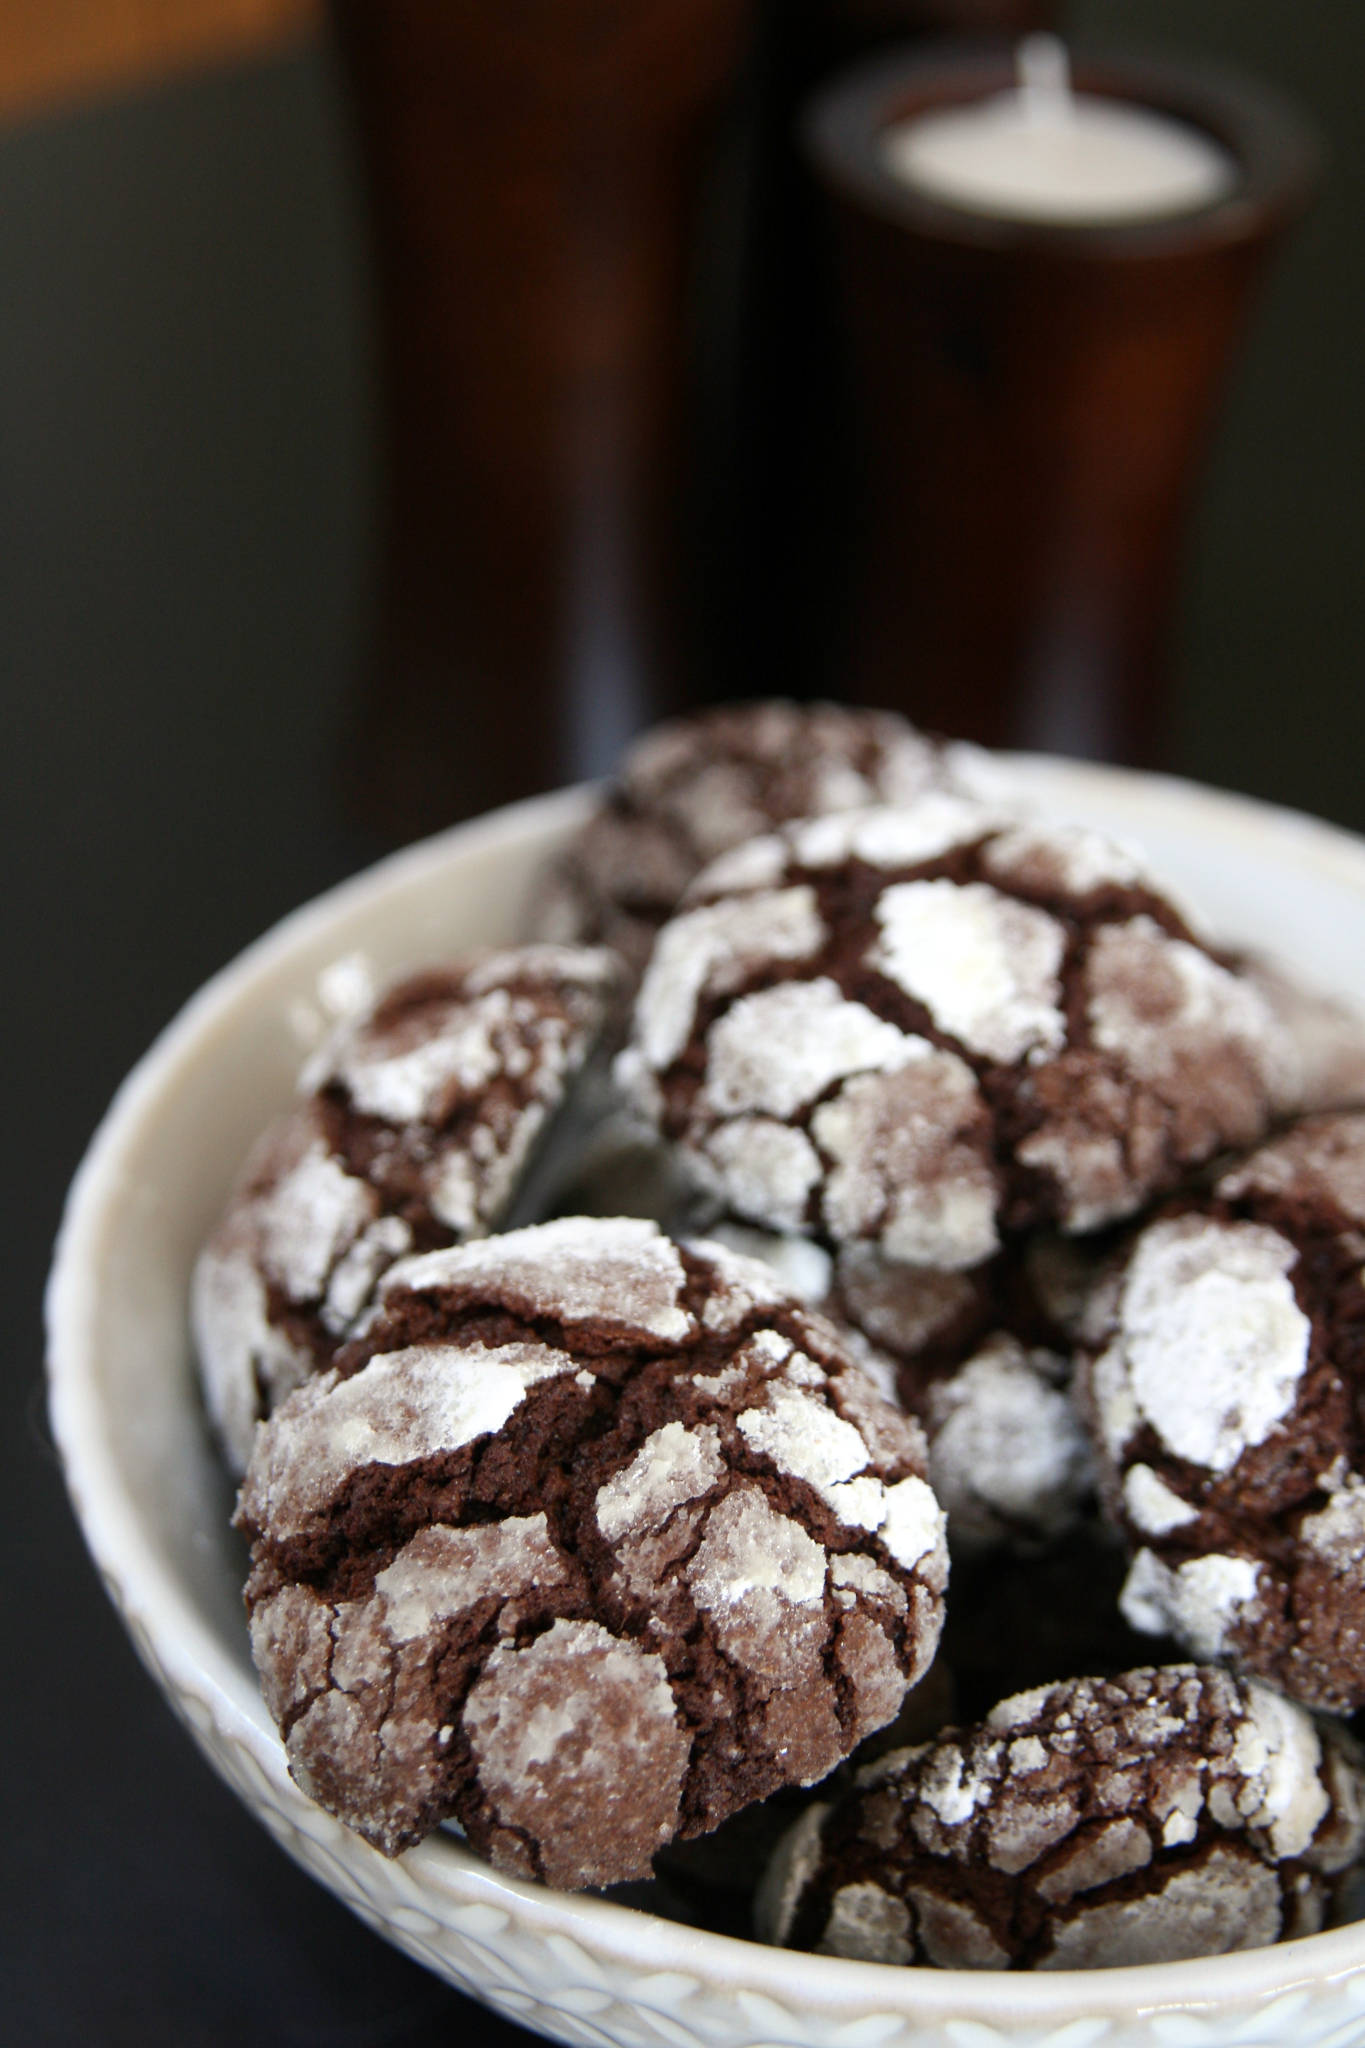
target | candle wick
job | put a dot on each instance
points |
(1043, 69)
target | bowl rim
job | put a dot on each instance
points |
(188, 1656)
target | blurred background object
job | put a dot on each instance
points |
(592, 352)
(536, 176)
(1032, 393)
(54, 51)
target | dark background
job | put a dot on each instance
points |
(187, 469)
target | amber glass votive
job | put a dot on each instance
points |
(533, 177)
(1032, 401)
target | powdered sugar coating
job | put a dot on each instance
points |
(758, 1166)
(1051, 857)
(904, 1309)
(1229, 1903)
(706, 951)
(420, 1116)
(418, 1402)
(1327, 1033)
(908, 1165)
(1008, 1457)
(979, 1358)
(617, 1270)
(997, 1025)
(717, 1559)
(582, 1720)
(690, 791)
(1211, 1345)
(822, 1038)
(672, 1466)
(1161, 1814)
(278, 1241)
(465, 1065)
(1202, 1602)
(1192, 1060)
(1155, 1000)
(934, 824)
(1151, 1505)
(985, 966)
(1222, 1386)
(1322, 1158)
(801, 1267)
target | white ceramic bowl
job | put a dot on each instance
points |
(154, 1505)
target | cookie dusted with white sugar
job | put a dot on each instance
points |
(1163, 1814)
(419, 1120)
(917, 1028)
(590, 1540)
(691, 789)
(973, 1357)
(1225, 1395)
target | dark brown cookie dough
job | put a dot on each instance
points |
(1226, 1390)
(693, 788)
(920, 1028)
(588, 1541)
(420, 1117)
(1163, 1814)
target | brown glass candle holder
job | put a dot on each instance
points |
(533, 175)
(1032, 403)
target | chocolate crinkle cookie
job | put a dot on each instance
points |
(697, 786)
(918, 1028)
(1163, 1814)
(1008, 1454)
(588, 1541)
(983, 1359)
(1225, 1393)
(419, 1120)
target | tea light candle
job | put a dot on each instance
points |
(1044, 153)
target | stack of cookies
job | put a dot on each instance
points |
(853, 1172)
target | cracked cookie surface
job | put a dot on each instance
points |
(1166, 1813)
(981, 1359)
(691, 789)
(922, 1028)
(589, 1540)
(1225, 1389)
(419, 1117)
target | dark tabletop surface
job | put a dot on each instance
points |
(185, 484)
(178, 589)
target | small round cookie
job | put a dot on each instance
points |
(1008, 1455)
(917, 1028)
(982, 1359)
(1038, 1290)
(420, 1120)
(1163, 1814)
(590, 1540)
(695, 787)
(1225, 1396)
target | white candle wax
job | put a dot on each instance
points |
(1042, 153)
